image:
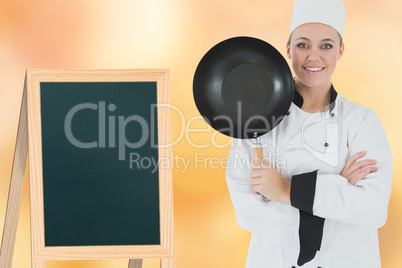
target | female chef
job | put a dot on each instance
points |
(326, 192)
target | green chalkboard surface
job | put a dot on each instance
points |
(100, 155)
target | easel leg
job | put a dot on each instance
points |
(15, 190)
(167, 263)
(38, 264)
(135, 263)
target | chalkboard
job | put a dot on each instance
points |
(98, 189)
(89, 191)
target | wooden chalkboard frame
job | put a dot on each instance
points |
(40, 252)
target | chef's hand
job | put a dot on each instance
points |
(267, 181)
(355, 171)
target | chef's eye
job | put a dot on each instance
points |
(302, 45)
(327, 46)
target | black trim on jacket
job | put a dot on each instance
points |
(302, 192)
(298, 99)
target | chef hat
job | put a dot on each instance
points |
(330, 12)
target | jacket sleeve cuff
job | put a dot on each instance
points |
(302, 191)
(310, 236)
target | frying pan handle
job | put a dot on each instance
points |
(258, 154)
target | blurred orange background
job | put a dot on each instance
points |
(175, 34)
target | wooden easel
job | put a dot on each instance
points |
(15, 195)
(16, 185)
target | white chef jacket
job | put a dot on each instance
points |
(310, 150)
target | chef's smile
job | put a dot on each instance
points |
(313, 70)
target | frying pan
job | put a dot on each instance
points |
(243, 87)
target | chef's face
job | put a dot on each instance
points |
(314, 49)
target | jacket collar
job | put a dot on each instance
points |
(298, 99)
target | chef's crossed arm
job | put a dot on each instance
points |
(327, 196)
(331, 196)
